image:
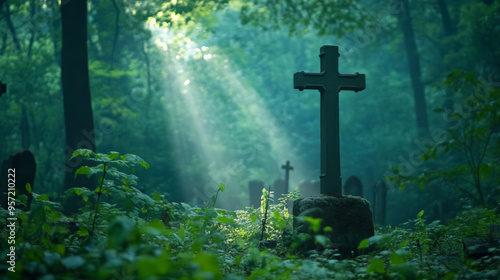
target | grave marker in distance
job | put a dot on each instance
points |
(353, 186)
(23, 162)
(255, 188)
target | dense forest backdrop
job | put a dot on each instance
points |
(202, 90)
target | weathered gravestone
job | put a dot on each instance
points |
(255, 187)
(17, 171)
(280, 189)
(309, 188)
(353, 186)
(379, 202)
(349, 217)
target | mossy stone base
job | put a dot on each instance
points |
(350, 218)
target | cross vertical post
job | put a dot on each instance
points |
(287, 168)
(329, 83)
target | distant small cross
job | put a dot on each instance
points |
(287, 168)
(329, 83)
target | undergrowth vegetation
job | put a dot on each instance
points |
(122, 233)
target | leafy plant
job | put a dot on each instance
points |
(467, 152)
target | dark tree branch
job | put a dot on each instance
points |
(4, 43)
(148, 81)
(33, 27)
(448, 26)
(55, 32)
(11, 27)
(117, 32)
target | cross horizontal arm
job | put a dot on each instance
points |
(303, 80)
(354, 82)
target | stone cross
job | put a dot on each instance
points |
(329, 83)
(287, 168)
(3, 88)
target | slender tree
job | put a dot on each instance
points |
(404, 19)
(79, 123)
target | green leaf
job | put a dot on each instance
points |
(404, 270)
(314, 224)
(276, 214)
(144, 164)
(82, 232)
(59, 248)
(182, 232)
(321, 239)
(253, 218)
(146, 266)
(420, 214)
(376, 265)
(77, 191)
(28, 188)
(397, 259)
(113, 155)
(82, 152)
(225, 220)
(84, 170)
(363, 244)
(73, 262)
(222, 187)
(210, 214)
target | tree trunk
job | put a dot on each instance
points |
(448, 25)
(448, 30)
(78, 117)
(55, 31)
(414, 64)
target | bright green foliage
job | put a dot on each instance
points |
(325, 17)
(212, 243)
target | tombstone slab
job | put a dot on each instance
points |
(353, 186)
(280, 189)
(255, 188)
(349, 217)
(24, 166)
(309, 188)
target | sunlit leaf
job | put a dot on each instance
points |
(376, 265)
(84, 170)
(363, 244)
